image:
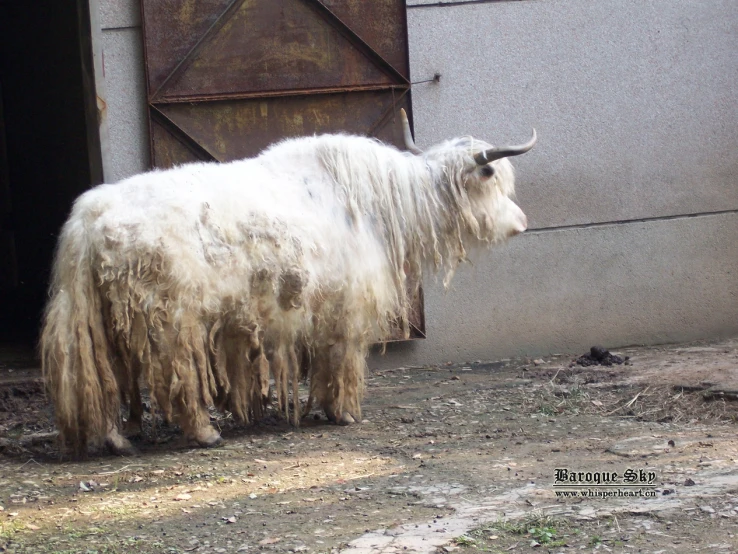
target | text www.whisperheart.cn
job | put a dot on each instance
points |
(607, 493)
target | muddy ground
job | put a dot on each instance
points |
(454, 458)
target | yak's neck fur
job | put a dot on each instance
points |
(418, 206)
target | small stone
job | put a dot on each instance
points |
(539, 361)
(689, 483)
(707, 509)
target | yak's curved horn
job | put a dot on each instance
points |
(409, 142)
(492, 154)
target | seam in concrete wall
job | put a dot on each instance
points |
(460, 3)
(121, 28)
(626, 221)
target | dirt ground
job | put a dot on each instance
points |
(453, 458)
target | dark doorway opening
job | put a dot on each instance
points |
(49, 147)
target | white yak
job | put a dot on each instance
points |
(207, 277)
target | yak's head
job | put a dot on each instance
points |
(482, 178)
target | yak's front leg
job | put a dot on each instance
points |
(197, 427)
(117, 443)
(133, 426)
(331, 384)
(195, 422)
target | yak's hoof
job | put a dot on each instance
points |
(119, 445)
(345, 419)
(208, 437)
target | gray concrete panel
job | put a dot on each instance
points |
(635, 102)
(562, 291)
(117, 14)
(126, 104)
(445, 3)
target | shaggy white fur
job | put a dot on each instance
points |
(207, 277)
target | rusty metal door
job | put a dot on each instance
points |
(226, 78)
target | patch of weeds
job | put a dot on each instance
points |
(118, 510)
(75, 533)
(545, 536)
(595, 540)
(464, 540)
(8, 529)
(543, 530)
(509, 527)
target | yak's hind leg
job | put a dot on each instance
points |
(116, 442)
(140, 349)
(306, 364)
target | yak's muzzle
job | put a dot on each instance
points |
(516, 220)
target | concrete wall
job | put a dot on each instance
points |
(631, 192)
(125, 88)
(636, 109)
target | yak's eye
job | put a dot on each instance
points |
(487, 171)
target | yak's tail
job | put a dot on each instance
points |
(75, 351)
